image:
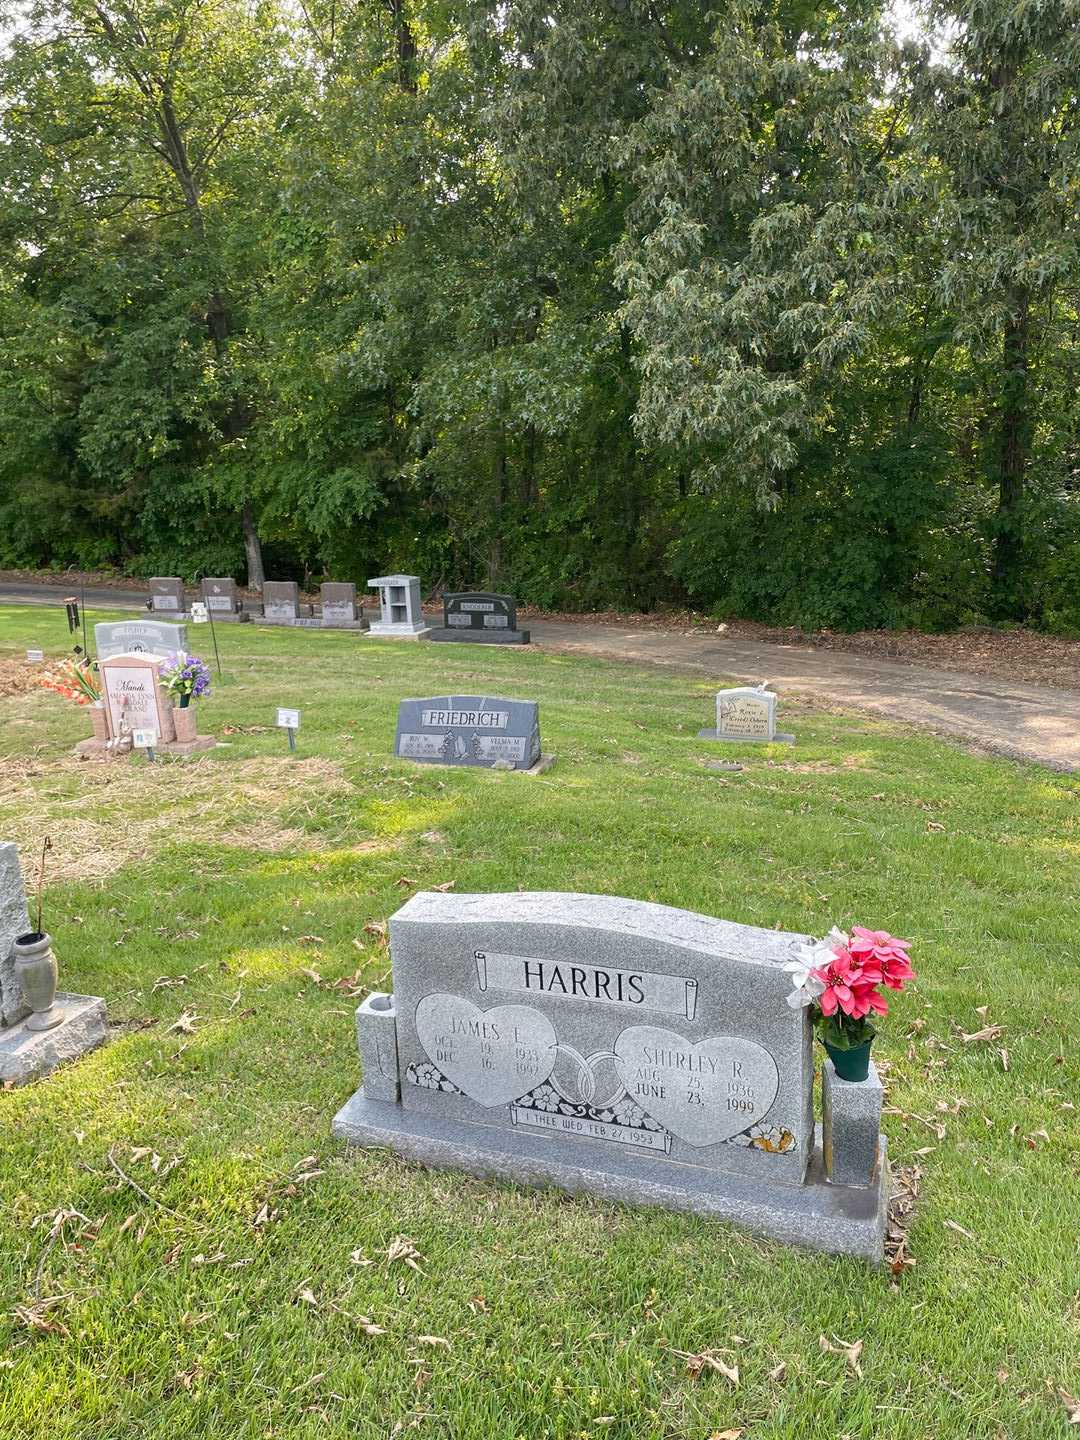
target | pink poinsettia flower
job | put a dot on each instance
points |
(889, 953)
(849, 984)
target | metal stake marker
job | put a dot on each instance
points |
(292, 737)
(213, 636)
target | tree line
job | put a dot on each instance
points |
(605, 302)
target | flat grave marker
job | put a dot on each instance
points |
(643, 1053)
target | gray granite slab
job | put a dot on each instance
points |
(480, 617)
(14, 921)
(139, 637)
(815, 1215)
(477, 730)
(220, 595)
(339, 607)
(167, 595)
(28, 1054)
(281, 599)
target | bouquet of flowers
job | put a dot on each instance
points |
(186, 678)
(75, 678)
(841, 979)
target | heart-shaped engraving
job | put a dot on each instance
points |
(703, 1093)
(492, 1055)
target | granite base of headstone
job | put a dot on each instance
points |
(746, 714)
(27, 1054)
(221, 598)
(338, 607)
(476, 730)
(400, 613)
(480, 617)
(623, 1049)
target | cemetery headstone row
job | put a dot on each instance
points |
(639, 1052)
(338, 609)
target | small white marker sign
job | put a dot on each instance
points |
(36, 655)
(144, 739)
(199, 613)
(288, 719)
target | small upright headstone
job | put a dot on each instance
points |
(399, 604)
(641, 1053)
(27, 1052)
(220, 597)
(139, 637)
(281, 600)
(481, 617)
(135, 698)
(339, 607)
(746, 713)
(471, 730)
(167, 595)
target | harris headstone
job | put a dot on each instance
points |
(482, 617)
(470, 730)
(746, 713)
(639, 1052)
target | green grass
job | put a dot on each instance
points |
(564, 1317)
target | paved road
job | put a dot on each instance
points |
(1035, 722)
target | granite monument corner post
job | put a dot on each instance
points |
(27, 1052)
(478, 730)
(626, 1049)
(167, 595)
(482, 618)
(339, 608)
(746, 713)
(400, 613)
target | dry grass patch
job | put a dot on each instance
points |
(17, 677)
(105, 816)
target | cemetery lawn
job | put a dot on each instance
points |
(184, 1251)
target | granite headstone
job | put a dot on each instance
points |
(139, 637)
(281, 600)
(339, 607)
(220, 597)
(640, 1052)
(746, 713)
(480, 617)
(167, 595)
(469, 730)
(14, 920)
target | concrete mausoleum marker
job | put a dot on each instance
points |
(637, 1052)
(25, 1053)
(746, 713)
(400, 614)
(481, 730)
(480, 617)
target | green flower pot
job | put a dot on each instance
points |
(851, 1064)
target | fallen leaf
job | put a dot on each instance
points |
(449, 885)
(404, 1250)
(952, 1225)
(186, 1022)
(405, 883)
(851, 1350)
(436, 1340)
(990, 1033)
(777, 1375)
(313, 975)
(697, 1365)
(1072, 1406)
(359, 1258)
(368, 1325)
(310, 940)
(725, 1435)
(308, 1297)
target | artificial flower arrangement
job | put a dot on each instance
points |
(186, 678)
(75, 678)
(840, 978)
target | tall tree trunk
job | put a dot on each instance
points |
(253, 550)
(1015, 439)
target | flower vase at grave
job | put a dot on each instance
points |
(100, 721)
(185, 720)
(852, 1063)
(35, 966)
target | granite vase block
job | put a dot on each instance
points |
(35, 965)
(14, 921)
(376, 1038)
(850, 1125)
(27, 1055)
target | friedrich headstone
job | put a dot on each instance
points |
(139, 637)
(481, 617)
(469, 730)
(167, 595)
(746, 713)
(400, 614)
(642, 1053)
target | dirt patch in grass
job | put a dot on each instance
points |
(17, 677)
(103, 817)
